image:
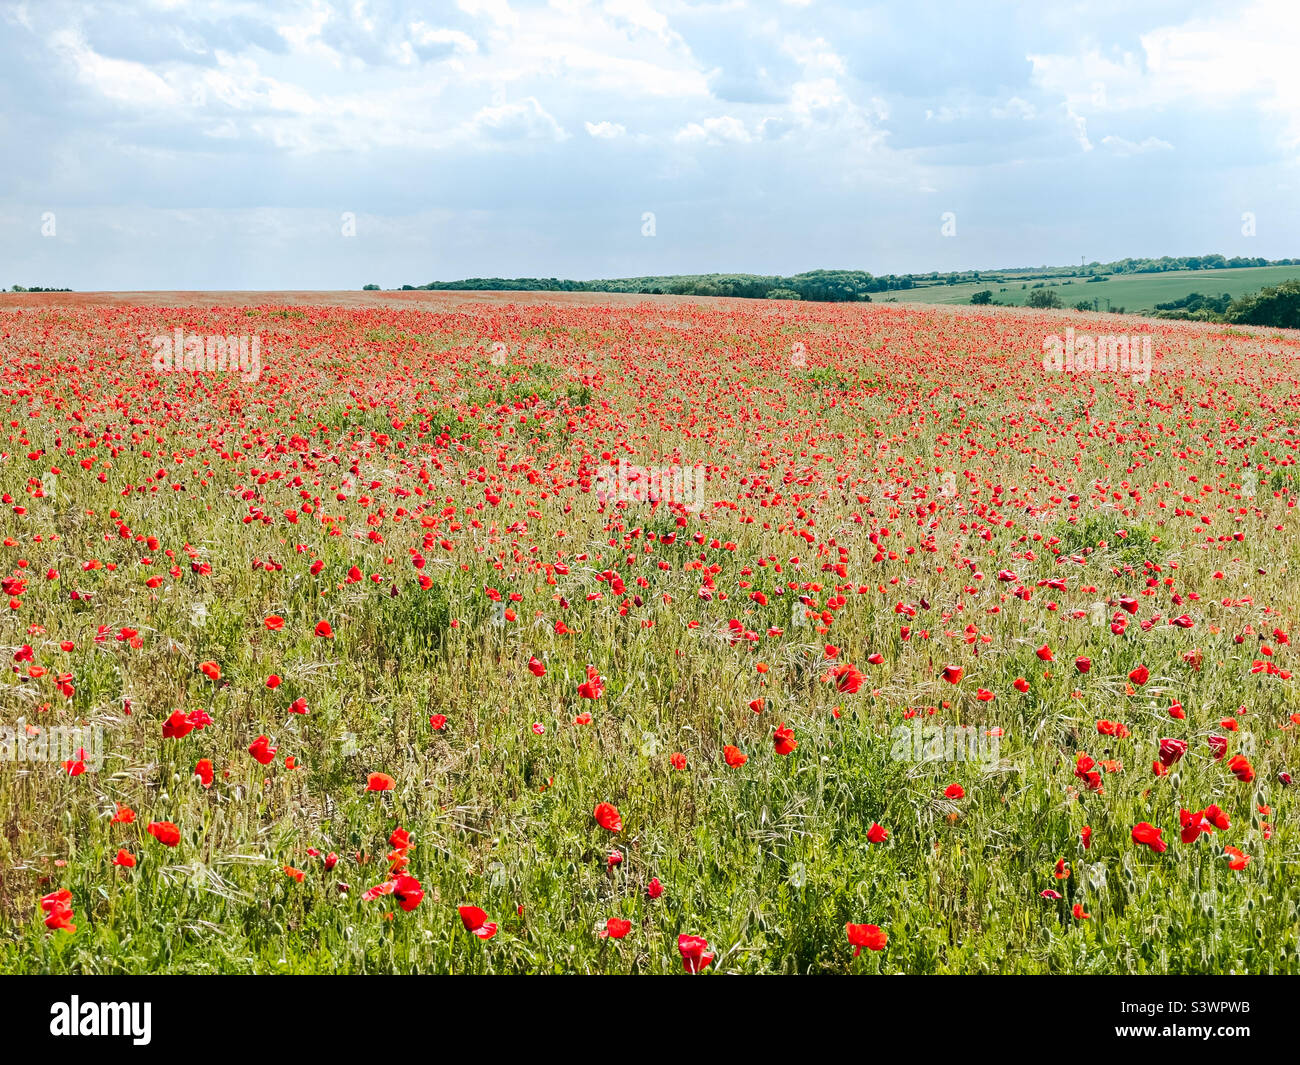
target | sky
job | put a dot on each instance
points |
(326, 144)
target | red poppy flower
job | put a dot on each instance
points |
(783, 740)
(865, 935)
(734, 756)
(1191, 825)
(1217, 817)
(164, 832)
(877, 834)
(1085, 771)
(1148, 835)
(694, 951)
(324, 629)
(379, 782)
(1240, 767)
(262, 751)
(407, 892)
(593, 686)
(176, 726)
(607, 816)
(617, 928)
(58, 911)
(475, 921)
(848, 678)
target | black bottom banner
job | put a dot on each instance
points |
(173, 1014)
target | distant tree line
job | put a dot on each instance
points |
(829, 286)
(839, 286)
(37, 288)
(1187, 262)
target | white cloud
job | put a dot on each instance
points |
(816, 57)
(722, 130)
(945, 113)
(324, 95)
(1219, 62)
(120, 80)
(1080, 129)
(667, 91)
(524, 120)
(462, 43)
(498, 11)
(1120, 146)
(1015, 108)
(642, 15)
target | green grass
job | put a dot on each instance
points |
(1133, 292)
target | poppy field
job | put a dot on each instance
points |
(587, 635)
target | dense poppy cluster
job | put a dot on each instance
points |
(917, 524)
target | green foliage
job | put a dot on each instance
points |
(1276, 306)
(1043, 299)
(1194, 301)
(1131, 542)
(411, 626)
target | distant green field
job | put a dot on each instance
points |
(1133, 292)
